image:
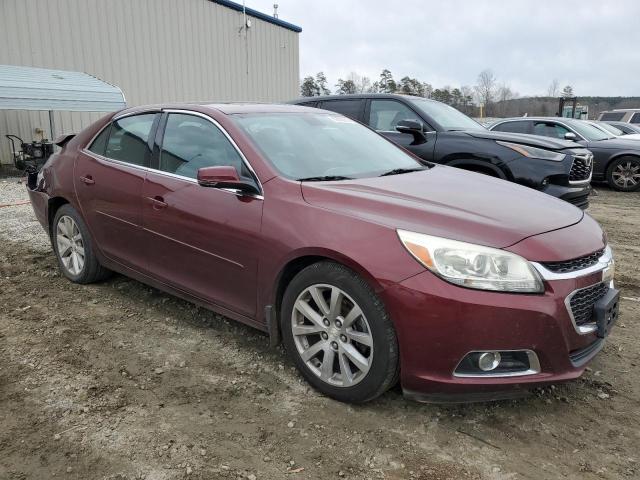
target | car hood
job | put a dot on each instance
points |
(447, 202)
(618, 143)
(533, 140)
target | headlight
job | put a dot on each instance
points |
(472, 266)
(533, 152)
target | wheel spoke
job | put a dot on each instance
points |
(74, 263)
(356, 358)
(309, 313)
(316, 294)
(335, 303)
(352, 316)
(80, 251)
(307, 329)
(312, 351)
(326, 371)
(345, 370)
(360, 337)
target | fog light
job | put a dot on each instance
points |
(489, 361)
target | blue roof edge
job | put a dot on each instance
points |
(262, 16)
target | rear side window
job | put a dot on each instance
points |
(612, 116)
(635, 118)
(348, 108)
(386, 114)
(100, 142)
(513, 127)
(191, 143)
(129, 139)
(549, 130)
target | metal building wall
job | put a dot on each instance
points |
(154, 50)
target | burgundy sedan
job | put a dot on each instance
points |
(370, 265)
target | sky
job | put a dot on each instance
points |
(591, 45)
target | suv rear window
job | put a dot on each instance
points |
(612, 116)
(348, 108)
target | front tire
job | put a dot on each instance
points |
(623, 174)
(73, 247)
(338, 333)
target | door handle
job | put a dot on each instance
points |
(158, 202)
(88, 180)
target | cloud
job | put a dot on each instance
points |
(527, 43)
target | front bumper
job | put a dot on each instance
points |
(439, 323)
(578, 195)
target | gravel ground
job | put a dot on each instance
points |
(120, 381)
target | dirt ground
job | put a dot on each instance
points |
(120, 381)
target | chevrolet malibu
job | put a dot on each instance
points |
(370, 265)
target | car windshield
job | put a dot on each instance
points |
(323, 146)
(589, 132)
(609, 129)
(447, 117)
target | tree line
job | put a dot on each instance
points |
(488, 97)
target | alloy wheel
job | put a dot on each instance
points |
(332, 335)
(70, 245)
(627, 174)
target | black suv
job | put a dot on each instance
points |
(439, 133)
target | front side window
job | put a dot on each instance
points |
(129, 139)
(635, 118)
(348, 108)
(553, 130)
(449, 118)
(385, 115)
(191, 142)
(521, 126)
(304, 145)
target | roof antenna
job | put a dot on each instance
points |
(275, 10)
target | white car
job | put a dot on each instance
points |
(610, 129)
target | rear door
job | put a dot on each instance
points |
(108, 179)
(201, 240)
(349, 107)
(383, 115)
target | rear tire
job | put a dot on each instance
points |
(623, 174)
(74, 249)
(338, 333)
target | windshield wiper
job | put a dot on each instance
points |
(397, 171)
(324, 178)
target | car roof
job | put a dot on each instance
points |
(556, 119)
(230, 108)
(360, 96)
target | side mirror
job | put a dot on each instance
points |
(224, 177)
(412, 127)
(570, 136)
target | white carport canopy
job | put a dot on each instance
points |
(29, 88)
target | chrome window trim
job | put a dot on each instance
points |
(233, 191)
(603, 263)
(534, 365)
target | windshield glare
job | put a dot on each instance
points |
(447, 117)
(589, 131)
(303, 145)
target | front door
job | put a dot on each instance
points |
(384, 116)
(108, 178)
(202, 240)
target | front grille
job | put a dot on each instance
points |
(579, 263)
(583, 300)
(581, 168)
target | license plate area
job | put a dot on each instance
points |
(606, 311)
